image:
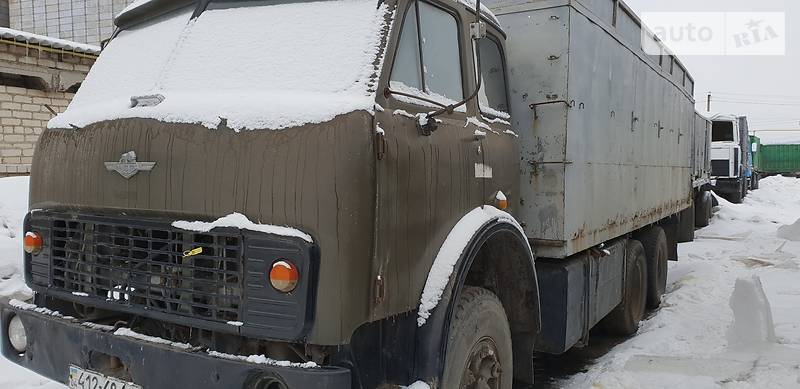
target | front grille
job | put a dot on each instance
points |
(720, 168)
(145, 266)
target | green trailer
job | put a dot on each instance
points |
(776, 159)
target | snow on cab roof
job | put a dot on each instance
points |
(46, 41)
(248, 68)
(720, 116)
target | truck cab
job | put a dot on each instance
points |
(727, 158)
(267, 183)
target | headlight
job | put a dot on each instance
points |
(17, 335)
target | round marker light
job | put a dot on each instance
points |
(17, 335)
(32, 243)
(284, 276)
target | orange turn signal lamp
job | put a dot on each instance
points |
(284, 276)
(32, 243)
(501, 200)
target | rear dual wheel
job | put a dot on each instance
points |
(654, 242)
(703, 209)
(624, 319)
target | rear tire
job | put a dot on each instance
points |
(702, 209)
(479, 350)
(654, 241)
(624, 319)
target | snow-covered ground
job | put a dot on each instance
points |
(13, 205)
(703, 336)
(716, 329)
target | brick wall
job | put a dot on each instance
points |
(86, 21)
(32, 80)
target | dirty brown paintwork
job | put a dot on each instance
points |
(318, 178)
(371, 218)
(426, 184)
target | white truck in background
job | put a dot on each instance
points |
(729, 135)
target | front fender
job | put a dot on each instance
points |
(431, 337)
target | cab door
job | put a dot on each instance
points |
(425, 181)
(500, 151)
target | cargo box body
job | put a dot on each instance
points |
(606, 129)
(778, 159)
(701, 151)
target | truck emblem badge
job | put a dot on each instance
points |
(192, 252)
(128, 166)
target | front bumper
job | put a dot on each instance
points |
(727, 185)
(56, 342)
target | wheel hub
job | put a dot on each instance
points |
(483, 367)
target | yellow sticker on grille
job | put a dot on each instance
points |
(193, 252)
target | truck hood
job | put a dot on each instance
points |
(316, 178)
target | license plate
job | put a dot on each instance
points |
(85, 379)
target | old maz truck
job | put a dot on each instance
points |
(355, 194)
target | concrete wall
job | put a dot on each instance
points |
(86, 21)
(30, 81)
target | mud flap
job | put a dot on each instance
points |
(671, 225)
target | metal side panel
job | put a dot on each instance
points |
(537, 49)
(607, 147)
(627, 141)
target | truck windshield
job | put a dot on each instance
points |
(722, 132)
(251, 65)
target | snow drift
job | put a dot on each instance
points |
(790, 232)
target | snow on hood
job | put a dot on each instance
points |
(132, 6)
(255, 67)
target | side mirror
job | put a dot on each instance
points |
(426, 125)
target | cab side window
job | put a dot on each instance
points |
(407, 64)
(428, 54)
(493, 97)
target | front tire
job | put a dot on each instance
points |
(736, 197)
(479, 350)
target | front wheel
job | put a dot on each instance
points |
(737, 197)
(479, 351)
